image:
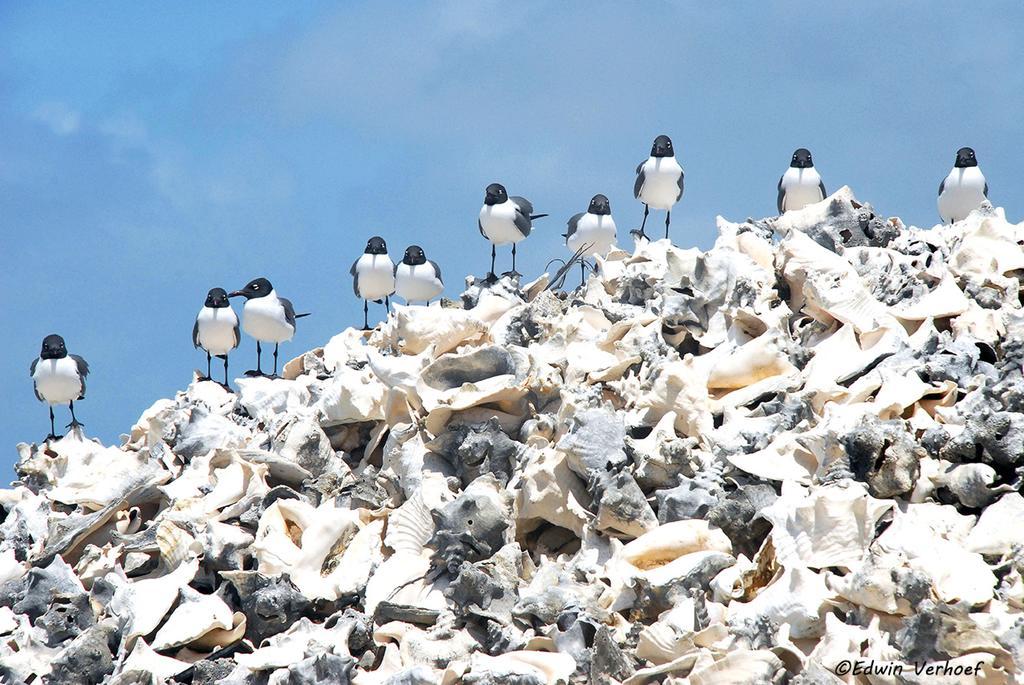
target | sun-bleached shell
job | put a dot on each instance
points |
(831, 526)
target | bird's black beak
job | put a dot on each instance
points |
(236, 293)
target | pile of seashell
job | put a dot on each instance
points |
(747, 465)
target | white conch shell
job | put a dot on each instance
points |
(144, 603)
(796, 598)
(831, 288)
(401, 578)
(842, 641)
(753, 361)
(785, 458)
(934, 540)
(195, 616)
(301, 639)
(548, 490)
(10, 567)
(676, 633)
(550, 668)
(662, 555)
(989, 247)
(413, 329)
(679, 387)
(143, 658)
(232, 478)
(326, 550)
(404, 454)
(999, 527)
(829, 526)
(740, 667)
(670, 541)
(728, 584)
(873, 585)
(944, 300)
(461, 380)
(89, 474)
(352, 395)
(268, 400)
(418, 647)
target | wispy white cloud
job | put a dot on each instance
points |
(62, 119)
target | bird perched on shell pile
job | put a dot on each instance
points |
(964, 188)
(801, 185)
(659, 181)
(505, 220)
(216, 329)
(59, 377)
(591, 232)
(416, 277)
(373, 276)
(266, 317)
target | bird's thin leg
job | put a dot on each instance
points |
(583, 272)
(387, 304)
(208, 376)
(668, 216)
(275, 358)
(366, 315)
(53, 431)
(225, 371)
(647, 210)
(491, 274)
(75, 423)
(514, 272)
(259, 355)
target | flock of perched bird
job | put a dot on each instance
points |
(59, 377)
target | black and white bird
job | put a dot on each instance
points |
(964, 188)
(266, 317)
(59, 377)
(800, 185)
(216, 329)
(373, 276)
(416, 277)
(505, 220)
(591, 232)
(659, 181)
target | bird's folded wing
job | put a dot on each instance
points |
(437, 269)
(289, 311)
(83, 366)
(573, 222)
(639, 185)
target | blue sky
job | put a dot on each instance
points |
(150, 151)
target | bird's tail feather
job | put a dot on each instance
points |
(299, 316)
(537, 216)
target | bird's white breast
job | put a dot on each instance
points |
(217, 329)
(661, 182)
(57, 380)
(375, 276)
(963, 192)
(800, 187)
(417, 283)
(498, 223)
(263, 319)
(597, 230)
